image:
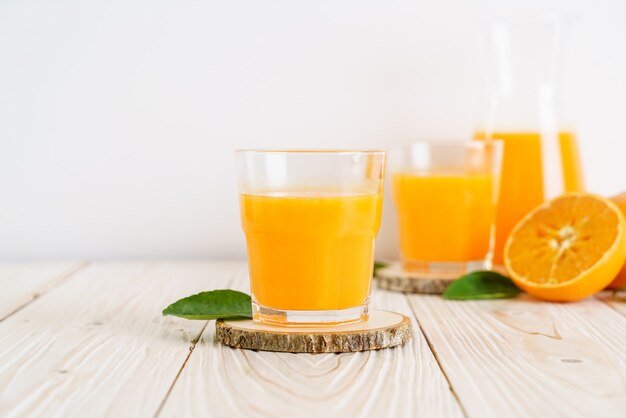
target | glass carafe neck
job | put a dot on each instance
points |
(524, 65)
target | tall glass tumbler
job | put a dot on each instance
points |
(310, 220)
(445, 195)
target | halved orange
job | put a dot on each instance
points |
(620, 280)
(568, 248)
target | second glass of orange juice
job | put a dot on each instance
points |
(310, 220)
(445, 195)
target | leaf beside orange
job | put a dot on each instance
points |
(567, 248)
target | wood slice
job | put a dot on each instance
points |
(395, 278)
(383, 329)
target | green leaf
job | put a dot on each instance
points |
(216, 304)
(619, 289)
(379, 265)
(481, 285)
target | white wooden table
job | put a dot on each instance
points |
(88, 340)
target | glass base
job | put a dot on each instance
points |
(297, 318)
(499, 268)
(452, 269)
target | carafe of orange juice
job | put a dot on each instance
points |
(540, 158)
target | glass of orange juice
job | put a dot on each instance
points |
(445, 195)
(310, 219)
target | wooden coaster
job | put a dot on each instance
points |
(383, 329)
(394, 277)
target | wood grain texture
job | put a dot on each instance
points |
(384, 329)
(615, 299)
(94, 344)
(521, 357)
(97, 344)
(405, 381)
(21, 283)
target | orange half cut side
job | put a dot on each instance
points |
(567, 248)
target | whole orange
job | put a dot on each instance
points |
(620, 280)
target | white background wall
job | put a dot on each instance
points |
(118, 118)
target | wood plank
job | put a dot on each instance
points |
(97, 345)
(615, 299)
(21, 283)
(406, 381)
(523, 357)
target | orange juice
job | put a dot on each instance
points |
(311, 251)
(521, 184)
(444, 217)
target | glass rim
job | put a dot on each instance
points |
(309, 151)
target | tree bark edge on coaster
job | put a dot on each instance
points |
(395, 278)
(384, 329)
